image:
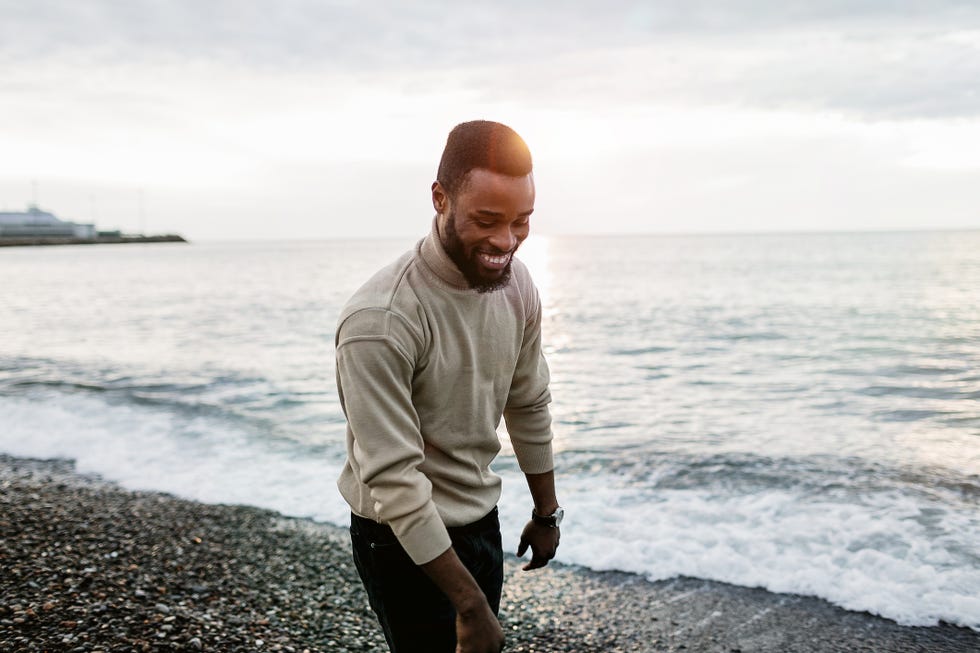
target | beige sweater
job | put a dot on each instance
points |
(425, 369)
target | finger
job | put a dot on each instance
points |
(535, 563)
(522, 548)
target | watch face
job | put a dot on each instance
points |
(552, 520)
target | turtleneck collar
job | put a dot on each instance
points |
(436, 259)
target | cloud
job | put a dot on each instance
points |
(886, 74)
(426, 33)
(873, 60)
(878, 75)
(311, 34)
(691, 110)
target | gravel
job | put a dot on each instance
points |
(88, 566)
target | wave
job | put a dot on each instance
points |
(640, 351)
(222, 394)
(918, 392)
(898, 542)
(197, 455)
(879, 542)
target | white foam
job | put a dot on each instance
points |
(875, 556)
(196, 457)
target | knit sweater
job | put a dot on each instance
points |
(426, 367)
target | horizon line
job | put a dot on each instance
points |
(624, 234)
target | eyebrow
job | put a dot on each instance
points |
(487, 213)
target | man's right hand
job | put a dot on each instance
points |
(477, 628)
(478, 631)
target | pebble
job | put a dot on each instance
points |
(158, 573)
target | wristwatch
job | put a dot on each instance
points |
(551, 521)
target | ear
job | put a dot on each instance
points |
(440, 200)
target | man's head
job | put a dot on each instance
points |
(484, 195)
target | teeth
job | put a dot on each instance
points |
(496, 260)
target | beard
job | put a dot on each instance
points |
(469, 265)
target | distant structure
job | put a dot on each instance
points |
(35, 223)
(37, 227)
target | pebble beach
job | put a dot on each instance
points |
(88, 566)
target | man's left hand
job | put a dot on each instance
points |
(543, 541)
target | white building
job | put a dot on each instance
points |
(34, 222)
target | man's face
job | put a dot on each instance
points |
(484, 224)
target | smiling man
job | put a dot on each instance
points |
(431, 352)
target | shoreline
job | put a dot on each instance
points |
(89, 566)
(44, 241)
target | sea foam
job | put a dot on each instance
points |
(204, 458)
(891, 553)
(875, 554)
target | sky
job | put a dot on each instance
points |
(326, 118)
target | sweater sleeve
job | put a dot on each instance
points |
(526, 413)
(375, 365)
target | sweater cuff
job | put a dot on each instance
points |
(425, 537)
(534, 458)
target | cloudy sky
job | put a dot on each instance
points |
(326, 118)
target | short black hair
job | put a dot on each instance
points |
(482, 144)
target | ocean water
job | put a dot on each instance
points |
(794, 412)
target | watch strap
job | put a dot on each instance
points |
(551, 521)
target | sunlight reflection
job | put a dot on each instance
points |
(534, 254)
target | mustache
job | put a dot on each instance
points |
(493, 251)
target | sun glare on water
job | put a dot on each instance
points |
(534, 254)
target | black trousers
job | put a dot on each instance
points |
(414, 613)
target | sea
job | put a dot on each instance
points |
(796, 412)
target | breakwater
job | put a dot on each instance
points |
(100, 240)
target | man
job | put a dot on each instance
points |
(431, 352)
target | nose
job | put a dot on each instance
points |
(503, 238)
